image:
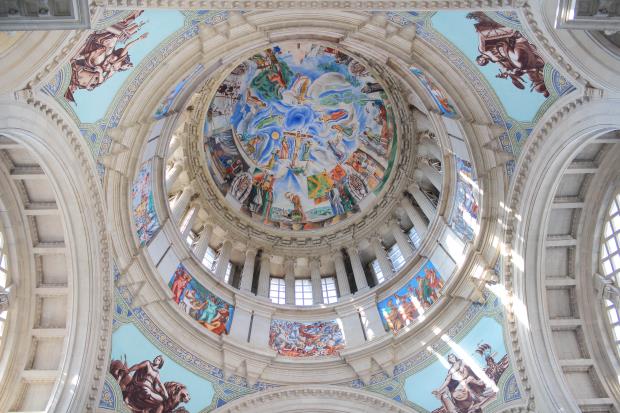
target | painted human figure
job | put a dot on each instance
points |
(209, 311)
(267, 197)
(513, 52)
(462, 390)
(255, 199)
(409, 312)
(145, 387)
(336, 201)
(99, 58)
(425, 293)
(284, 148)
(394, 318)
(252, 146)
(181, 279)
(305, 153)
(434, 282)
(297, 214)
(275, 157)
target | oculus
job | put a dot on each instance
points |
(299, 136)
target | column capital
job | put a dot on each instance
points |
(336, 255)
(394, 221)
(289, 264)
(353, 249)
(208, 224)
(414, 186)
(265, 257)
(375, 239)
(251, 252)
(314, 261)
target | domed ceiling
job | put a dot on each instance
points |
(299, 136)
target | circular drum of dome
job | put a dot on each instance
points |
(300, 136)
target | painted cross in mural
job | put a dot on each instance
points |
(508, 48)
(299, 135)
(104, 53)
(142, 389)
(464, 391)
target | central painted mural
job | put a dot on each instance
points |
(300, 136)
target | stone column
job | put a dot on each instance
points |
(432, 174)
(315, 276)
(190, 219)
(173, 174)
(223, 260)
(289, 280)
(428, 147)
(401, 239)
(384, 263)
(416, 218)
(358, 269)
(248, 269)
(351, 324)
(203, 242)
(341, 274)
(174, 144)
(181, 203)
(263, 275)
(425, 204)
(371, 320)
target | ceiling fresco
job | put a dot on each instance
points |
(300, 136)
(96, 84)
(465, 366)
(411, 301)
(308, 339)
(491, 50)
(302, 141)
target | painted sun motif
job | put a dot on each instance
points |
(300, 136)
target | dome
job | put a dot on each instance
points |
(287, 207)
(300, 136)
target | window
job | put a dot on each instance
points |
(209, 259)
(228, 272)
(396, 257)
(414, 237)
(610, 263)
(328, 285)
(277, 290)
(303, 292)
(376, 270)
(191, 239)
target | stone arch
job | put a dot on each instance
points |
(69, 311)
(547, 302)
(320, 399)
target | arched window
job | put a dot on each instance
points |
(610, 265)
